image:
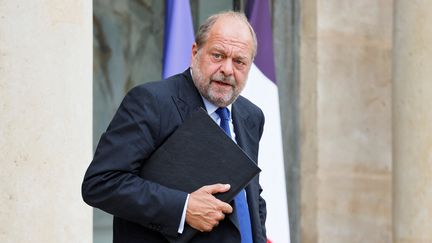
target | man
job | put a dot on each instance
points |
(145, 211)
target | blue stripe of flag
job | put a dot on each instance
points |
(178, 37)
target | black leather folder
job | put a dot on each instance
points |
(199, 153)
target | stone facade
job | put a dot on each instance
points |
(345, 121)
(412, 122)
(46, 117)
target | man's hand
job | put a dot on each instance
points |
(204, 211)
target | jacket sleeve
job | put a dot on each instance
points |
(111, 182)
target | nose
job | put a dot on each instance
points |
(227, 67)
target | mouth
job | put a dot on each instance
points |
(220, 83)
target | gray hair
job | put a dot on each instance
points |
(203, 31)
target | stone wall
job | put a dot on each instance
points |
(412, 122)
(46, 117)
(345, 107)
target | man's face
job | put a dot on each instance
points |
(220, 67)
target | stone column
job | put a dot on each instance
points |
(45, 120)
(345, 116)
(412, 122)
(309, 227)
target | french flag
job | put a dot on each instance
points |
(262, 90)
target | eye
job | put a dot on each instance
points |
(240, 62)
(217, 56)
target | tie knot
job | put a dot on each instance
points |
(223, 113)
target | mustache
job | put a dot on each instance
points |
(223, 79)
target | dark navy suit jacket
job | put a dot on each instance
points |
(145, 211)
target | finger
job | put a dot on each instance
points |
(215, 223)
(208, 227)
(221, 216)
(217, 188)
(225, 207)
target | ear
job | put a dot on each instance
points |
(194, 53)
(194, 49)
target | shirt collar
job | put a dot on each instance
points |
(211, 108)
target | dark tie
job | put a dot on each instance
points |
(240, 200)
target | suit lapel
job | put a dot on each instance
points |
(242, 125)
(188, 98)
